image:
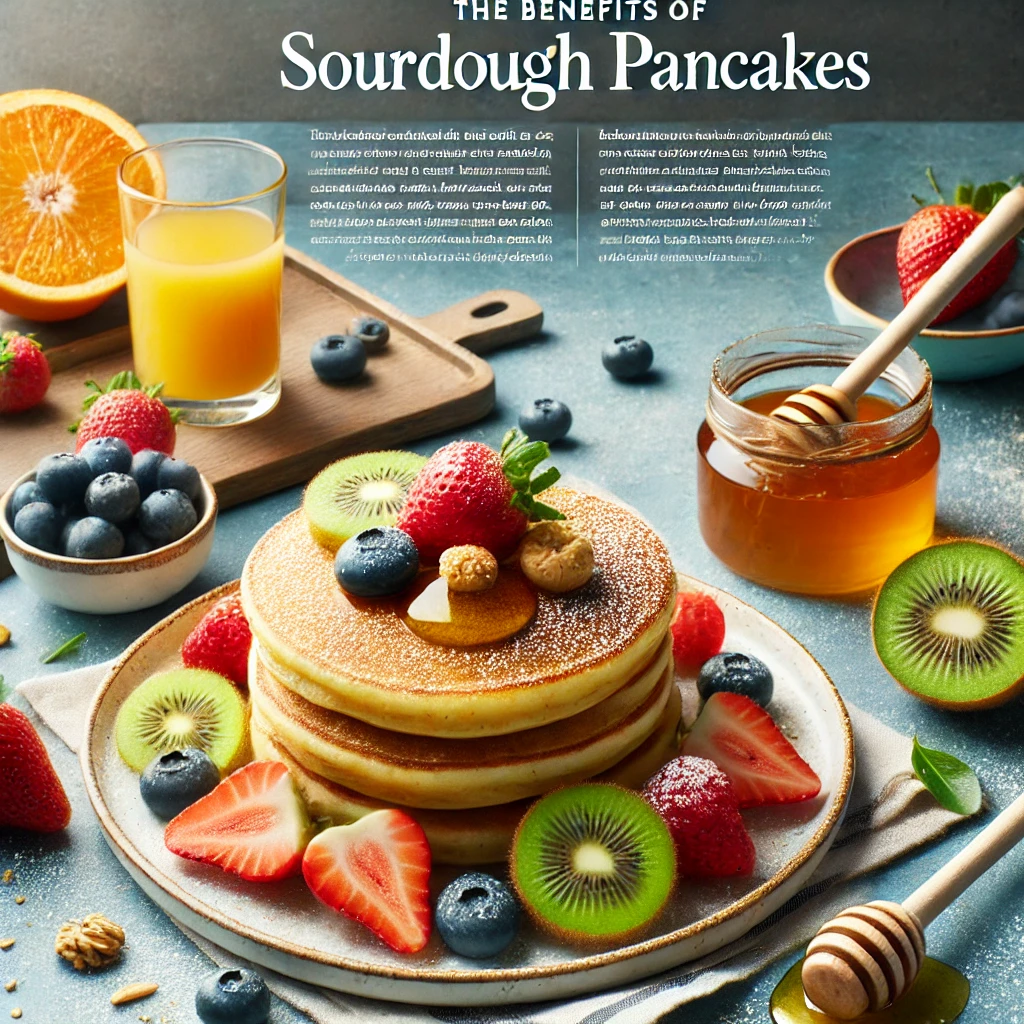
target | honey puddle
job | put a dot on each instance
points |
(938, 996)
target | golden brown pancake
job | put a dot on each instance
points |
(359, 657)
(458, 773)
(474, 836)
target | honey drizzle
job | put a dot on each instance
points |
(938, 996)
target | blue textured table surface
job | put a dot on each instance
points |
(639, 442)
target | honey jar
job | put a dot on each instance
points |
(829, 512)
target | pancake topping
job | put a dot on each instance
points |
(556, 557)
(441, 615)
(468, 493)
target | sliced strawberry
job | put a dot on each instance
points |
(375, 871)
(741, 738)
(253, 825)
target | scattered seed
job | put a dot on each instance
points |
(11, 985)
(145, 1020)
(16, 1013)
(8, 876)
(19, 900)
(5, 635)
(6, 943)
(139, 990)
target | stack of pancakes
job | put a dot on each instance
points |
(366, 714)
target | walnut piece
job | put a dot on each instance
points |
(92, 942)
(555, 557)
(469, 569)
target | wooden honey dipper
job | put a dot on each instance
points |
(837, 402)
(869, 956)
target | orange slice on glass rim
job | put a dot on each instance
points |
(60, 227)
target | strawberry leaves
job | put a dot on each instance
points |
(981, 199)
(126, 380)
(7, 353)
(520, 457)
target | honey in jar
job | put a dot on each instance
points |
(831, 513)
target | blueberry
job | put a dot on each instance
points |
(69, 524)
(1008, 313)
(477, 915)
(176, 780)
(145, 468)
(178, 475)
(137, 543)
(38, 524)
(545, 420)
(114, 497)
(107, 455)
(376, 562)
(736, 673)
(236, 996)
(63, 478)
(373, 333)
(338, 357)
(166, 516)
(93, 537)
(25, 494)
(627, 357)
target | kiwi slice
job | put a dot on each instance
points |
(358, 492)
(948, 624)
(593, 862)
(188, 707)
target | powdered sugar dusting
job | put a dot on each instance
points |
(299, 612)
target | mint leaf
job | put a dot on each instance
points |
(947, 778)
(68, 647)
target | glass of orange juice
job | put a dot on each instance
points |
(203, 224)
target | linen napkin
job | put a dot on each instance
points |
(890, 813)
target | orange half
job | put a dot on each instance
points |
(60, 227)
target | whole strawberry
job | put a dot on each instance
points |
(125, 409)
(24, 372)
(468, 493)
(698, 629)
(936, 231)
(33, 797)
(698, 803)
(220, 642)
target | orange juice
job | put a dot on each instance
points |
(205, 301)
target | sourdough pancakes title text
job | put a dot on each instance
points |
(542, 74)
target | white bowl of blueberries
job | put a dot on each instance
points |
(105, 531)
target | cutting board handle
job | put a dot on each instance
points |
(488, 321)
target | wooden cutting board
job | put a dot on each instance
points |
(428, 380)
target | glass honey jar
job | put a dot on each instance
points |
(831, 511)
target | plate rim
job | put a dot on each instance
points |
(505, 975)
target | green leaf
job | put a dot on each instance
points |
(68, 647)
(999, 189)
(547, 479)
(519, 458)
(964, 194)
(947, 778)
(3, 690)
(982, 200)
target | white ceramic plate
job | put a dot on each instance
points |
(282, 927)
